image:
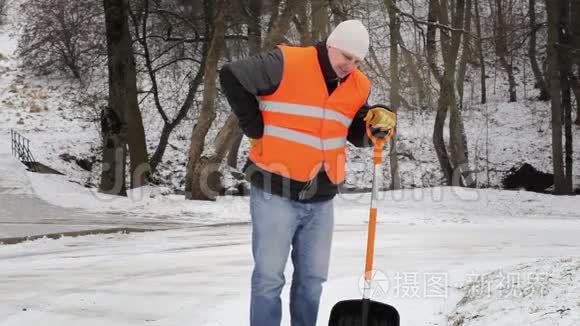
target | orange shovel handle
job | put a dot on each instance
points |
(371, 244)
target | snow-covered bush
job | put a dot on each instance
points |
(62, 35)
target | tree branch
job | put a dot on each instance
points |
(442, 27)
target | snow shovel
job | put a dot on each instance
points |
(367, 312)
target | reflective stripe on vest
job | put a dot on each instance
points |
(305, 139)
(305, 110)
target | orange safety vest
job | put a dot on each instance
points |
(304, 127)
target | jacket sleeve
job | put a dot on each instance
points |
(242, 81)
(357, 132)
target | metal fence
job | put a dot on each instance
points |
(21, 150)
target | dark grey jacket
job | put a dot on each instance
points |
(242, 81)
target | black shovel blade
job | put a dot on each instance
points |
(350, 312)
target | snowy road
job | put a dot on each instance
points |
(200, 276)
(23, 212)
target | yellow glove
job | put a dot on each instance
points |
(381, 118)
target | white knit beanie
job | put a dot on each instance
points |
(350, 36)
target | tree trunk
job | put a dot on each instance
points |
(274, 13)
(450, 46)
(138, 157)
(464, 54)
(139, 170)
(502, 50)
(216, 15)
(338, 11)
(395, 97)
(302, 24)
(443, 102)
(139, 162)
(319, 18)
(254, 46)
(540, 83)
(282, 23)
(458, 139)
(431, 42)
(565, 73)
(207, 174)
(480, 52)
(439, 141)
(234, 151)
(254, 28)
(422, 94)
(114, 131)
(575, 73)
(553, 9)
(568, 154)
(575, 83)
(114, 117)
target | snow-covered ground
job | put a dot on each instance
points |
(435, 248)
(480, 257)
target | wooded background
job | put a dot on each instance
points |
(165, 54)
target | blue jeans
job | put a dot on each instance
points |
(279, 224)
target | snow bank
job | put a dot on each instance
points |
(545, 292)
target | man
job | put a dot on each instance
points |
(299, 106)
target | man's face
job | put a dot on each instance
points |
(342, 62)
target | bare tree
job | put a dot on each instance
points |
(480, 53)
(139, 161)
(465, 53)
(63, 35)
(442, 105)
(215, 13)
(114, 117)
(554, 22)
(565, 41)
(431, 39)
(395, 87)
(450, 35)
(575, 58)
(540, 83)
(165, 52)
(501, 47)
(450, 48)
